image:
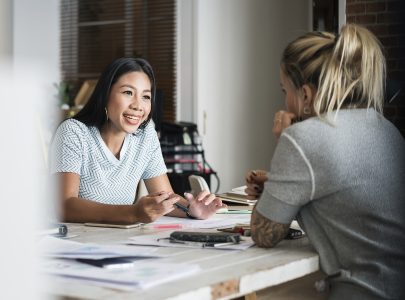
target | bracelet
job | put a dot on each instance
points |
(188, 213)
(185, 209)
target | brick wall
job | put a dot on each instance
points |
(386, 19)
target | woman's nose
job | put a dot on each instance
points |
(136, 105)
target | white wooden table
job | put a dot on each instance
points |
(224, 274)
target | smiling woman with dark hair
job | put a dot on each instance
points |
(101, 154)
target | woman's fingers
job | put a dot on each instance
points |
(202, 195)
(256, 176)
(159, 196)
(160, 204)
(209, 199)
(282, 119)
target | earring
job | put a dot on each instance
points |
(307, 110)
(106, 113)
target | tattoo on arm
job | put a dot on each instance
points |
(266, 233)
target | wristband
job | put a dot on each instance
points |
(188, 213)
(185, 209)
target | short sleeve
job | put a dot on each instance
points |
(66, 152)
(156, 165)
(290, 184)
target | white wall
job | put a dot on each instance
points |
(6, 34)
(237, 48)
(342, 13)
(185, 60)
(36, 35)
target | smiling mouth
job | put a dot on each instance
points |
(132, 118)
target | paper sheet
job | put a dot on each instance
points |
(55, 247)
(144, 274)
(216, 221)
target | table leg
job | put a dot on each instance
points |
(251, 296)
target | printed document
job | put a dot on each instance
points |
(60, 248)
(144, 274)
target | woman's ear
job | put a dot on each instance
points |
(308, 94)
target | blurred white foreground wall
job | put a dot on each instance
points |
(25, 194)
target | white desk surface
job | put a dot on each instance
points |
(224, 274)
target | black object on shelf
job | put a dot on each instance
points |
(184, 155)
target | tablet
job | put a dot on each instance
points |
(124, 226)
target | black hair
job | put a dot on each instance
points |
(93, 113)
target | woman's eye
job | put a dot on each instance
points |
(146, 98)
(129, 93)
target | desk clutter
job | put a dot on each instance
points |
(135, 263)
(114, 266)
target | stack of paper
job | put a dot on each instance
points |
(143, 275)
(52, 247)
(237, 195)
(216, 221)
(62, 260)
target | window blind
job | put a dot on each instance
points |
(95, 32)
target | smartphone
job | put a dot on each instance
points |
(293, 234)
(206, 237)
(124, 226)
(108, 263)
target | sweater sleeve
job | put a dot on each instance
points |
(291, 182)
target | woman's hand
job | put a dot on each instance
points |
(282, 119)
(153, 206)
(204, 205)
(255, 180)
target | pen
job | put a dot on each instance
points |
(199, 244)
(181, 207)
(185, 209)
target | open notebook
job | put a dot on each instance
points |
(237, 195)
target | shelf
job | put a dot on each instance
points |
(181, 152)
(101, 23)
(181, 161)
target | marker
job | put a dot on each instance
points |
(164, 226)
(223, 244)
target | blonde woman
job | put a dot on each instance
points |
(338, 166)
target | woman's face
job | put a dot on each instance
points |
(293, 99)
(129, 103)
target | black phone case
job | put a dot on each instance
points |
(206, 237)
(105, 262)
(293, 234)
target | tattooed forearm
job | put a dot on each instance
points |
(266, 233)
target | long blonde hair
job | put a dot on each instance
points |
(347, 70)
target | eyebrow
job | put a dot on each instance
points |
(132, 87)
